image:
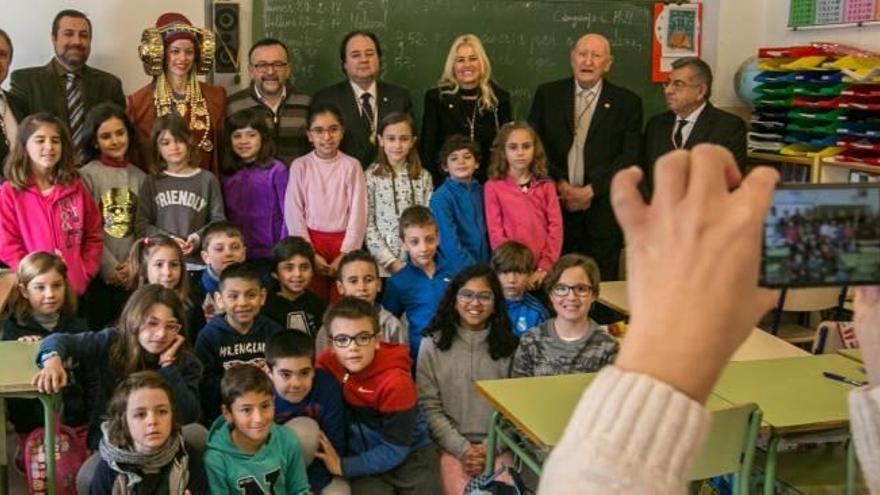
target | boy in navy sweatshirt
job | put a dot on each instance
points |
(235, 336)
(388, 446)
(514, 264)
(307, 400)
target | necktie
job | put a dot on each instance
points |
(75, 108)
(582, 125)
(367, 110)
(678, 138)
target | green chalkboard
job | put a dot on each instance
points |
(527, 41)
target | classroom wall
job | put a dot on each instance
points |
(117, 24)
(743, 26)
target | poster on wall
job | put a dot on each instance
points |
(802, 13)
(677, 33)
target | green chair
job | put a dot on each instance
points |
(730, 448)
(828, 469)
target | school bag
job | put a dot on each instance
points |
(488, 484)
(70, 453)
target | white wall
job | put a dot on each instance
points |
(743, 26)
(117, 26)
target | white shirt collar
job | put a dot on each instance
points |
(358, 91)
(693, 116)
(596, 89)
(263, 98)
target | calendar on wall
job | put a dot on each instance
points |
(803, 13)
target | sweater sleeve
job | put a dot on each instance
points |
(209, 385)
(146, 216)
(216, 210)
(553, 240)
(280, 177)
(12, 248)
(375, 240)
(430, 399)
(494, 217)
(453, 251)
(103, 479)
(183, 377)
(296, 481)
(215, 471)
(864, 412)
(357, 216)
(523, 361)
(294, 202)
(332, 420)
(85, 347)
(93, 238)
(640, 434)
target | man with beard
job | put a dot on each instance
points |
(66, 86)
(272, 93)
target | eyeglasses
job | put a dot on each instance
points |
(678, 84)
(469, 296)
(580, 290)
(320, 131)
(344, 341)
(265, 66)
(154, 326)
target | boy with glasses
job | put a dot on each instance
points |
(388, 446)
(571, 342)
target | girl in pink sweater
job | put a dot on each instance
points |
(521, 202)
(44, 205)
(326, 199)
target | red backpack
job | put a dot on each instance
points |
(70, 453)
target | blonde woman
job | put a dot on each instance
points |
(466, 101)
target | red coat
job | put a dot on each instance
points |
(142, 111)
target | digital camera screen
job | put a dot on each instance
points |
(817, 235)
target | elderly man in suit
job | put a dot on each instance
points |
(590, 128)
(8, 110)
(66, 86)
(691, 118)
(362, 100)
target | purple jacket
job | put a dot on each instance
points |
(254, 198)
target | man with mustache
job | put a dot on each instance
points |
(66, 86)
(272, 93)
(362, 99)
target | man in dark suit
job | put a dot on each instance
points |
(691, 118)
(362, 100)
(590, 129)
(66, 86)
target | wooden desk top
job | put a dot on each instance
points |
(18, 368)
(854, 354)
(763, 345)
(613, 295)
(540, 407)
(791, 392)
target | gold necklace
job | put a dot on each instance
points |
(193, 101)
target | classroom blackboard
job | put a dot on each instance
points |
(527, 41)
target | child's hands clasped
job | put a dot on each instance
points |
(474, 459)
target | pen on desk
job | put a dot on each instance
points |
(843, 379)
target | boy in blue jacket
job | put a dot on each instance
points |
(235, 336)
(247, 452)
(388, 446)
(514, 264)
(458, 207)
(307, 400)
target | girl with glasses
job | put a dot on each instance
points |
(571, 342)
(468, 339)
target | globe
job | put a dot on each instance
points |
(744, 81)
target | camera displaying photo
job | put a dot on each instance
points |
(822, 234)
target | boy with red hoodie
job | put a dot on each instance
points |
(388, 446)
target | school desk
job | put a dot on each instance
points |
(793, 396)
(16, 373)
(539, 408)
(854, 354)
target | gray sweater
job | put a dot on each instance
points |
(542, 352)
(456, 413)
(179, 205)
(116, 193)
